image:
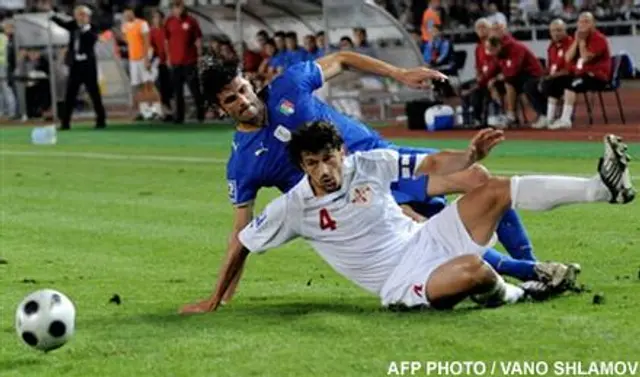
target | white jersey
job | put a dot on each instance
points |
(359, 230)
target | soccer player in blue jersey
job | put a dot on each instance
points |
(264, 124)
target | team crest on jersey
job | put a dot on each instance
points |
(286, 107)
(361, 195)
(509, 63)
(282, 133)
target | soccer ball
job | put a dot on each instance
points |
(45, 320)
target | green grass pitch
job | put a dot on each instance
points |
(142, 211)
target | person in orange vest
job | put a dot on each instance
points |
(430, 19)
(141, 70)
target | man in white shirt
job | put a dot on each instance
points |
(344, 208)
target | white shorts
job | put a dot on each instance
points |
(139, 74)
(443, 238)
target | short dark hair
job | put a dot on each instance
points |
(313, 137)
(215, 75)
(280, 34)
(263, 33)
(346, 39)
(270, 42)
(320, 34)
(291, 34)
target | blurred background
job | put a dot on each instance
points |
(268, 35)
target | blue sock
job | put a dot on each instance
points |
(505, 265)
(514, 238)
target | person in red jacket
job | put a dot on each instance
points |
(184, 47)
(158, 45)
(590, 65)
(518, 67)
(544, 94)
(486, 69)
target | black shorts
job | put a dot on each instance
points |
(517, 82)
(555, 87)
(583, 84)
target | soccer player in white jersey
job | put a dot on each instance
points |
(345, 208)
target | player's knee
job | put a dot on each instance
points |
(497, 191)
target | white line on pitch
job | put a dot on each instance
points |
(212, 160)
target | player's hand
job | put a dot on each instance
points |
(197, 308)
(419, 77)
(483, 142)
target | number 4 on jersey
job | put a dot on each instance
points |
(326, 222)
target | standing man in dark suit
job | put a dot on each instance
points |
(83, 67)
(184, 47)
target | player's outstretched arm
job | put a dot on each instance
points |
(231, 268)
(451, 161)
(332, 65)
(242, 217)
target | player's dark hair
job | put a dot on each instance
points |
(270, 42)
(291, 35)
(215, 74)
(320, 34)
(313, 137)
(263, 33)
(280, 34)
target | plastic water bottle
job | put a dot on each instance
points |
(459, 117)
(46, 135)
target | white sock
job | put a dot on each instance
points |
(567, 112)
(501, 293)
(156, 108)
(512, 293)
(541, 193)
(511, 116)
(551, 109)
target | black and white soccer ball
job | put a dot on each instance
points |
(45, 320)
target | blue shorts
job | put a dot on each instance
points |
(413, 190)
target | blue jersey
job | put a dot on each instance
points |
(260, 158)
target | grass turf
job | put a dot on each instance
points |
(142, 211)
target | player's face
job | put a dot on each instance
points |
(128, 15)
(157, 20)
(497, 30)
(324, 170)
(585, 24)
(557, 32)
(482, 31)
(240, 102)
(291, 43)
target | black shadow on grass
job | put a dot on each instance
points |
(10, 365)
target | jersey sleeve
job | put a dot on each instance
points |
(271, 229)
(390, 165)
(305, 76)
(242, 186)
